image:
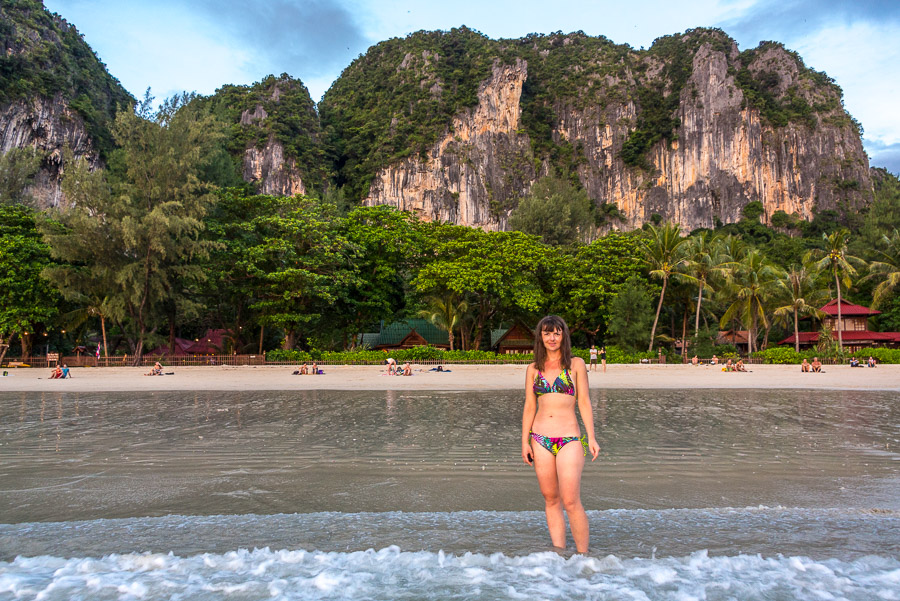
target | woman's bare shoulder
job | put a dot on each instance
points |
(578, 363)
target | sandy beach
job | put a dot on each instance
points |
(461, 377)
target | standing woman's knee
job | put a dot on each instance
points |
(572, 503)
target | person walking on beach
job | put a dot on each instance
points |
(603, 358)
(593, 357)
(551, 440)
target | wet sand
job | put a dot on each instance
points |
(461, 377)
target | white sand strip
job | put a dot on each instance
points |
(461, 377)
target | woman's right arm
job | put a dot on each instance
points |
(528, 414)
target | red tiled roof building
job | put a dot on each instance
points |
(855, 333)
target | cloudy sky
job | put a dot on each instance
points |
(199, 45)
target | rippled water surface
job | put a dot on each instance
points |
(688, 483)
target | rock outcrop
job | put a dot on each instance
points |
(48, 126)
(725, 152)
(267, 167)
(725, 156)
(481, 165)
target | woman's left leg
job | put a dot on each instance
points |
(569, 465)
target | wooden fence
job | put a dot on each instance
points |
(185, 360)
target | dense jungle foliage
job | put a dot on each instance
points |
(300, 275)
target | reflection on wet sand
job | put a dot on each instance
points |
(86, 456)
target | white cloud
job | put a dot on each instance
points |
(862, 58)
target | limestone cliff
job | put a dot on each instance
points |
(267, 167)
(690, 131)
(48, 126)
(469, 172)
(54, 93)
(275, 138)
(724, 157)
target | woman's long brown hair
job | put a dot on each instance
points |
(551, 323)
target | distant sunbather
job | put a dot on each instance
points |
(816, 365)
(804, 367)
(156, 371)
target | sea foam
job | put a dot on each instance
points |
(390, 574)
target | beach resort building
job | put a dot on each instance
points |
(855, 333)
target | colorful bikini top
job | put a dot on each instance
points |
(563, 384)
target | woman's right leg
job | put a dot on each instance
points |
(545, 468)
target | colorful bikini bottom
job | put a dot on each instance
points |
(554, 444)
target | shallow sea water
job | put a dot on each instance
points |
(422, 495)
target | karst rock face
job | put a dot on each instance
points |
(724, 154)
(267, 167)
(48, 126)
(477, 166)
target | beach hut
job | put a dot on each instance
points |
(408, 333)
(855, 333)
(516, 339)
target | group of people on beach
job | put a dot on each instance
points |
(305, 369)
(871, 362)
(60, 373)
(394, 368)
(594, 354)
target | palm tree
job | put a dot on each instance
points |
(886, 268)
(801, 297)
(446, 313)
(663, 254)
(841, 265)
(753, 284)
(707, 260)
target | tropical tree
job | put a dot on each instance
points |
(753, 283)
(841, 266)
(133, 230)
(664, 256)
(499, 272)
(707, 262)
(557, 211)
(586, 279)
(300, 263)
(800, 296)
(629, 314)
(18, 167)
(446, 312)
(886, 267)
(27, 301)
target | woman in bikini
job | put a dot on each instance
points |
(554, 384)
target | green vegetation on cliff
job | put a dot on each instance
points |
(396, 100)
(402, 95)
(278, 107)
(43, 56)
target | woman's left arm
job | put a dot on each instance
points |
(582, 390)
